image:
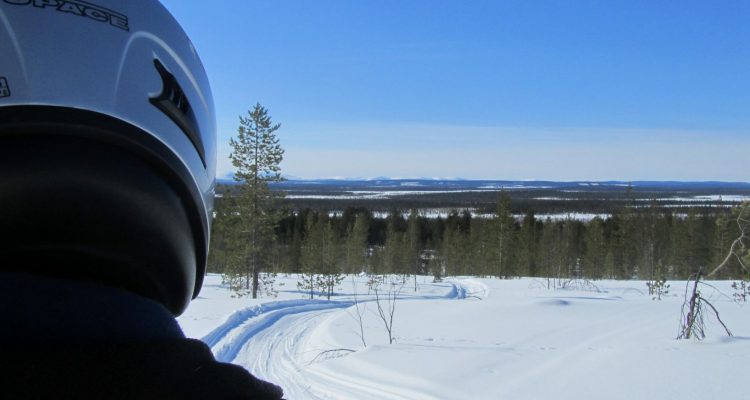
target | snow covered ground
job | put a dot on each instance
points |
(468, 338)
(445, 212)
(381, 194)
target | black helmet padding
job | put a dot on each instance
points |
(81, 196)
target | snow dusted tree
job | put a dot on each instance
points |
(256, 156)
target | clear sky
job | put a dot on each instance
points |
(560, 90)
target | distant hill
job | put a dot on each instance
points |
(453, 184)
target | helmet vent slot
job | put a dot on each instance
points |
(175, 105)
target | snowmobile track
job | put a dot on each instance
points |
(269, 340)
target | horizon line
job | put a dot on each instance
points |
(229, 177)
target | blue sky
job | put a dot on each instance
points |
(561, 90)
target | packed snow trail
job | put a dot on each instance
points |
(281, 355)
(277, 352)
(228, 338)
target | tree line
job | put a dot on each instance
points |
(634, 243)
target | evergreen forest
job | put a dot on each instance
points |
(647, 243)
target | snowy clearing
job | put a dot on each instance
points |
(477, 338)
(433, 213)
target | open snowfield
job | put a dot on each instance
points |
(468, 338)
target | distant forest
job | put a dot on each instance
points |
(648, 242)
(601, 200)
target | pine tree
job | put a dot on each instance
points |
(699, 249)
(476, 249)
(330, 264)
(356, 245)
(552, 254)
(311, 256)
(681, 250)
(393, 253)
(649, 257)
(413, 248)
(451, 251)
(614, 232)
(633, 244)
(529, 245)
(256, 156)
(481, 248)
(505, 232)
(595, 255)
(321, 257)
(573, 248)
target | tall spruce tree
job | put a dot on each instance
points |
(256, 156)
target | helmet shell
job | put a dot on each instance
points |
(127, 69)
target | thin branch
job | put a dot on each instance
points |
(737, 242)
(717, 316)
(328, 351)
(359, 313)
(716, 289)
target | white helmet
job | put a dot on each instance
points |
(107, 146)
